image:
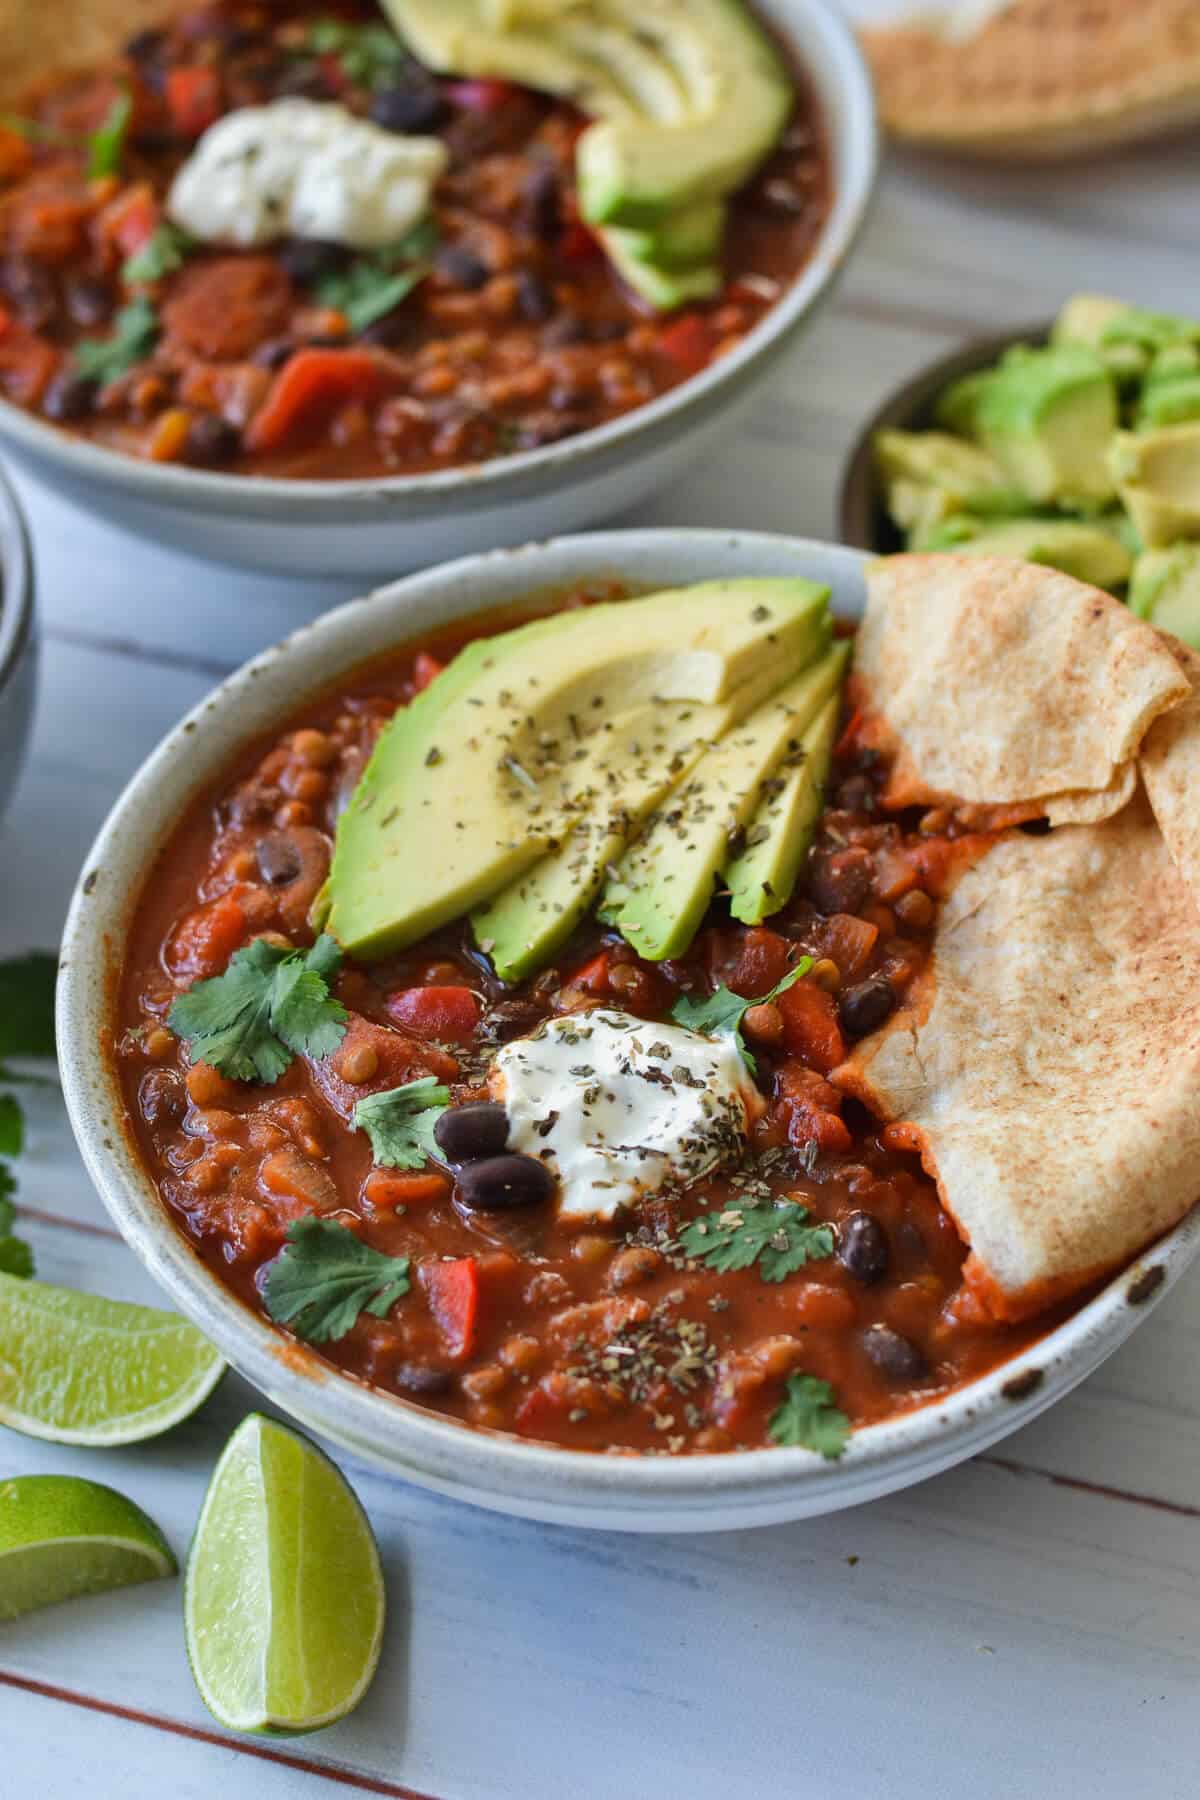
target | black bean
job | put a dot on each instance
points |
(500, 1182)
(145, 44)
(512, 1018)
(161, 1096)
(279, 860)
(69, 396)
(543, 203)
(862, 1247)
(302, 81)
(534, 298)
(839, 881)
(89, 300)
(307, 259)
(274, 353)
(419, 1378)
(462, 267)
(416, 107)
(211, 439)
(864, 1007)
(894, 1356)
(565, 329)
(605, 331)
(31, 290)
(468, 1133)
(388, 331)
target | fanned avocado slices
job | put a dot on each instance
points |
(658, 893)
(761, 876)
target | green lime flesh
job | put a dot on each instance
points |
(61, 1537)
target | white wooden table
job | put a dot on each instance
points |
(1027, 1625)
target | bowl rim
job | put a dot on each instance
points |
(834, 63)
(491, 1468)
(16, 582)
(861, 519)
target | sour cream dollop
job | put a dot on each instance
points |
(618, 1107)
(304, 168)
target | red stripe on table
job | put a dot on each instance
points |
(335, 1772)
(1100, 1488)
(61, 1222)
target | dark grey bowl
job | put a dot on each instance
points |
(862, 517)
(18, 641)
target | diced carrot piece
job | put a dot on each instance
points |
(448, 1014)
(309, 388)
(426, 668)
(688, 342)
(453, 1291)
(894, 875)
(848, 941)
(901, 1135)
(204, 941)
(387, 1189)
(810, 1027)
(761, 961)
(169, 435)
(193, 95)
(823, 1308)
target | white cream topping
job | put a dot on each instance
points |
(618, 1107)
(304, 168)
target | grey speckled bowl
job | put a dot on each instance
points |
(18, 641)
(693, 1493)
(376, 527)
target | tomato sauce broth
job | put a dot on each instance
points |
(597, 1336)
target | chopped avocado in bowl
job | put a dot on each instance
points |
(1075, 444)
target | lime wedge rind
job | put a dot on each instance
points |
(62, 1537)
(284, 1603)
(79, 1369)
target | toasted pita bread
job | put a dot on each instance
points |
(1054, 1081)
(41, 38)
(1043, 78)
(1170, 765)
(1000, 683)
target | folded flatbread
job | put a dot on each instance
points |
(1048, 1063)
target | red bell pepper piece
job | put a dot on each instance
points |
(193, 95)
(310, 387)
(448, 1014)
(540, 1414)
(688, 342)
(206, 939)
(453, 1292)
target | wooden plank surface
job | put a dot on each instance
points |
(1028, 1622)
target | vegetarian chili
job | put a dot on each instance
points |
(498, 325)
(699, 1320)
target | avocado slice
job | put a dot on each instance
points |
(662, 288)
(1047, 417)
(649, 753)
(659, 891)
(762, 876)
(929, 474)
(1089, 551)
(1157, 474)
(635, 172)
(1165, 588)
(685, 238)
(491, 765)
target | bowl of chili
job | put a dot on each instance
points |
(226, 405)
(491, 1386)
(18, 641)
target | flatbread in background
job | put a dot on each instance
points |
(1002, 683)
(1054, 1077)
(1041, 78)
(40, 38)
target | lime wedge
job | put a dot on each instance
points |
(284, 1601)
(81, 1370)
(60, 1536)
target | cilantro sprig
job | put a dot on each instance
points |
(371, 286)
(325, 1276)
(107, 145)
(26, 1030)
(164, 251)
(134, 334)
(370, 55)
(269, 1006)
(808, 1417)
(779, 1239)
(400, 1122)
(723, 1010)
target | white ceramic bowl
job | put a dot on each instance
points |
(693, 1493)
(376, 527)
(18, 641)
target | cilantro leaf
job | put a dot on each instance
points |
(16, 1258)
(27, 1004)
(809, 1418)
(325, 1276)
(372, 285)
(105, 147)
(162, 253)
(268, 1006)
(134, 334)
(12, 1125)
(370, 55)
(400, 1122)
(777, 1238)
(723, 1010)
